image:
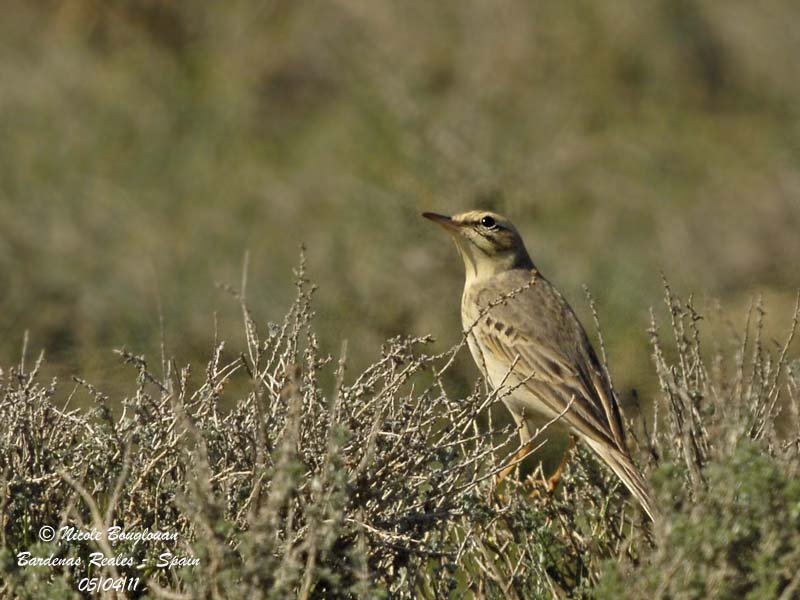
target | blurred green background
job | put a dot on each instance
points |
(145, 145)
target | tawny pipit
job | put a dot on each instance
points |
(528, 342)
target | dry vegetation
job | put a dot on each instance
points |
(381, 484)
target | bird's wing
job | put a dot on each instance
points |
(541, 336)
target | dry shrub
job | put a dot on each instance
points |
(322, 484)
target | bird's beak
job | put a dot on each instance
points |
(442, 220)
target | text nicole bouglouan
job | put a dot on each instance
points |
(111, 564)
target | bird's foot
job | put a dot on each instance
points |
(551, 483)
(539, 485)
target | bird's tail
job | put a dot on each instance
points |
(624, 468)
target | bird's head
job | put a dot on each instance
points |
(489, 243)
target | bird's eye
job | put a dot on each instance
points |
(488, 222)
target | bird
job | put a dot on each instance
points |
(530, 346)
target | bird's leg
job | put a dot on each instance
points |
(552, 482)
(518, 457)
